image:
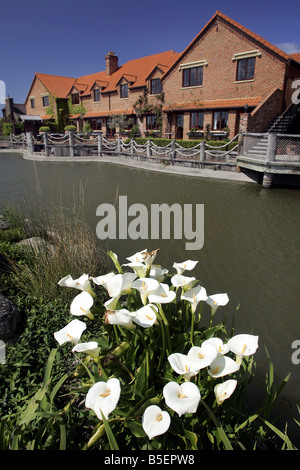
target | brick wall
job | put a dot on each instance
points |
(217, 47)
(36, 92)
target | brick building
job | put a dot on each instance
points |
(228, 79)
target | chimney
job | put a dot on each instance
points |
(111, 62)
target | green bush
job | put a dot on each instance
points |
(70, 127)
(44, 129)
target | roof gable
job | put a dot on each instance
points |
(253, 36)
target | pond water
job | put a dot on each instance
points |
(251, 243)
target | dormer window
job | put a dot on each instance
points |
(97, 94)
(155, 86)
(75, 98)
(124, 90)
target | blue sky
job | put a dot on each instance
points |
(71, 37)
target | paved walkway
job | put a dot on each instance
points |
(141, 165)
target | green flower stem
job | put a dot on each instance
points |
(163, 346)
(166, 326)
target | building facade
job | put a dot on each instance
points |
(227, 80)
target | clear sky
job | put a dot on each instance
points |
(72, 37)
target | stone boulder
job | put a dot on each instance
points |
(9, 318)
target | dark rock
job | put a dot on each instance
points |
(9, 318)
(4, 224)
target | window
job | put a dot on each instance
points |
(197, 119)
(220, 120)
(245, 69)
(75, 98)
(124, 91)
(96, 124)
(155, 86)
(192, 76)
(151, 123)
(45, 100)
(32, 103)
(97, 94)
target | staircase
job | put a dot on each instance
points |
(259, 149)
(281, 124)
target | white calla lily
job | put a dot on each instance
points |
(71, 332)
(120, 284)
(158, 273)
(91, 348)
(146, 257)
(182, 364)
(243, 345)
(145, 286)
(222, 366)
(139, 268)
(218, 344)
(102, 280)
(82, 283)
(194, 296)
(203, 356)
(81, 305)
(224, 390)
(187, 265)
(183, 281)
(182, 398)
(162, 295)
(214, 301)
(145, 316)
(103, 397)
(120, 317)
(155, 421)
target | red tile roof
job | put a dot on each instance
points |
(214, 104)
(57, 85)
(136, 71)
(295, 56)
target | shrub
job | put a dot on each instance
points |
(44, 129)
(70, 128)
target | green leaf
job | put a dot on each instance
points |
(218, 425)
(282, 435)
(111, 438)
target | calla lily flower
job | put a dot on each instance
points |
(120, 317)
(155, 421)
(224, 390)
(162, 295)
(218, 344)
(146, 316)
(222, 366)
(82, 283)
(103, 397)
(182, 364)
(102, 280)
(145, 286)
(146, 257)
(91, 348)
(120, 284)
(182, 398)
(194, 296)
(82, 304)
(243, 345)
(158, 273)
(214, 301)
(183, 281)
(71, 332)
(203, 356)
(184, 266)
(139, 268)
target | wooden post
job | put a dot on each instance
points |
(71, 143)
(46, 145)
(132, 147)
(202, 151)
(272, 144)
(149, 152)
(30, 144)
(100, 145)
(119, 145)
(173, 150)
